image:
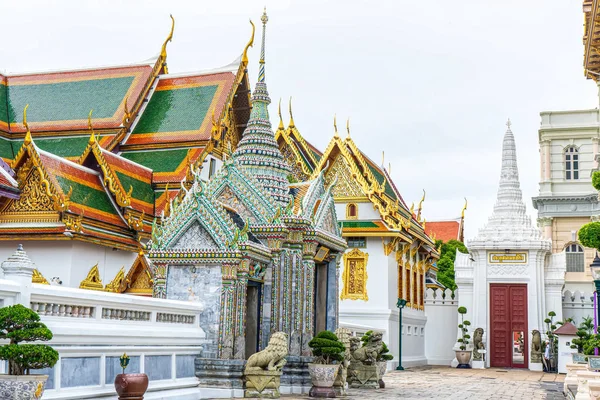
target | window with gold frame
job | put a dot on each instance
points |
(355, 275)
(351, 211)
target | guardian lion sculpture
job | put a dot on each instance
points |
(536, 347)
(367, 354)
(272, 358)
(478, 344)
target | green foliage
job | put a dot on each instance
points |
(445, 264)
(20, 324)
(552, 338)
(596, 180)
(586, 341)
(464, 340)
(589, 235)
(327, 348)
(383, 356)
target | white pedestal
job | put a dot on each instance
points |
(454, 363)
(478, 364)
(536, 367)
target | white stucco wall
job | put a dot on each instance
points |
(71, 260)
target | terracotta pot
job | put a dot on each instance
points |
(131, 386)
(463, 358)
(22, 387)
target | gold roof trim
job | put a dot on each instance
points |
(92, 281)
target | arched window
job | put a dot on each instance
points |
(571, 163)
(575, 258)
(351, 211)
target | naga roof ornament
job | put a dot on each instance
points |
(163, 50)
(258, 152)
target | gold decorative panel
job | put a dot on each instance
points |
(33, 197)
(38, 278)
(92, 280)
(355, 275)
(346, 185)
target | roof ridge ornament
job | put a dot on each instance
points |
(250, 44)
(280, 118)
(28, 138)
(348, 126)
(261, 70)
(163, 50)
(291, 124)
(335, 126)
(91, 128)
(462, 214)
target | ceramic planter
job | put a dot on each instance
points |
(322, 377)
(131, 386)
(22, 387)
(382, 368)
(463, 358)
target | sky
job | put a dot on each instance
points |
(431, 83)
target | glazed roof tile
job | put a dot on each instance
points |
(443, 230)
(363, 226)
(180, 109)
(62, 100)
(167, 165)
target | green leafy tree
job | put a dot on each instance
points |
(327, 348)
(589, 235)
(20, 324)
(445, 264)
(586, 341)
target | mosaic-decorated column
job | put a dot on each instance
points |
(241, 285)
(277, 282)
(308, 268)
(297, 301)
(159, 274)
(227, 318)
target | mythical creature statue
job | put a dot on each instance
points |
(478, 344)
(345, 336)
(367, 354)
(272, 358)
(536, 347)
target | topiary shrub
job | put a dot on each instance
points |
(21, 324)
(463, 326)
(327, 348)
(596, 180)
(589, 235)
(382, 355)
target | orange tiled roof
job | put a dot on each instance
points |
(443, 230)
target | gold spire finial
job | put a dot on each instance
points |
(462, 214)
(92, 136)
(264, 17)
(420, 206)
(348, 126)
(335, 132)
(163, 50)
(292, 124)
(412, 208)
(26, 125)
(280, 118)
(250, 44)
(382, 158)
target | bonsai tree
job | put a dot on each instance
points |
(20, 324)
(327, 348)
(464, 330)
(586, 340)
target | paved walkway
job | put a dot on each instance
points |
(451, 383)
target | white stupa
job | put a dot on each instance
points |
(509, 281)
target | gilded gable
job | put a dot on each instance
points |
(346, 185)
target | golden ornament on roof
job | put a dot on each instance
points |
(250, 44)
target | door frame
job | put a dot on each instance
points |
(525, 364)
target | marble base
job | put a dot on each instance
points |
(295, 378)
(363, 376)
(478, 364)
(215, 373)
(536, 366)
(262, 384)
(323, 392)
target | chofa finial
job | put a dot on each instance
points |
(26, 125)
(292, 124)
(163, 50)
(250, 44)
(335, 132)
(91, 128)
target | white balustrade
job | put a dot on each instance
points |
(175, 318)
(125, 315)
(63, 310)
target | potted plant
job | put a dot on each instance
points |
(328, 352)
(464, 354)
(20, 324)
(130, 386)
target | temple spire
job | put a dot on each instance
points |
(261, 70)
(258, 152)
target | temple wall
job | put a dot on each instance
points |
(201, 284)
(71, 260)
(442, 324)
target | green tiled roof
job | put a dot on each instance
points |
(6, 150)
(3, 104)
(63, 147)
(358, 224)
(86, 196)
(388, 188)
(141, 190)
(67, 100)
(158, 161)
(176, 110)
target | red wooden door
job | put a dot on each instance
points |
(508, 325)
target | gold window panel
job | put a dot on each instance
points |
(355, 275)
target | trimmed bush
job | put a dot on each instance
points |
(327, 348)
(20, 324)
(589, 235)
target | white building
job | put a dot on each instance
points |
(567, 200)
(509, 281)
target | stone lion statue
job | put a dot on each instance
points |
(272, 358)
(345, 336)
(536, 347)
(367, 354)
(478, 344)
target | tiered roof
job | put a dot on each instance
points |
(105, 143)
